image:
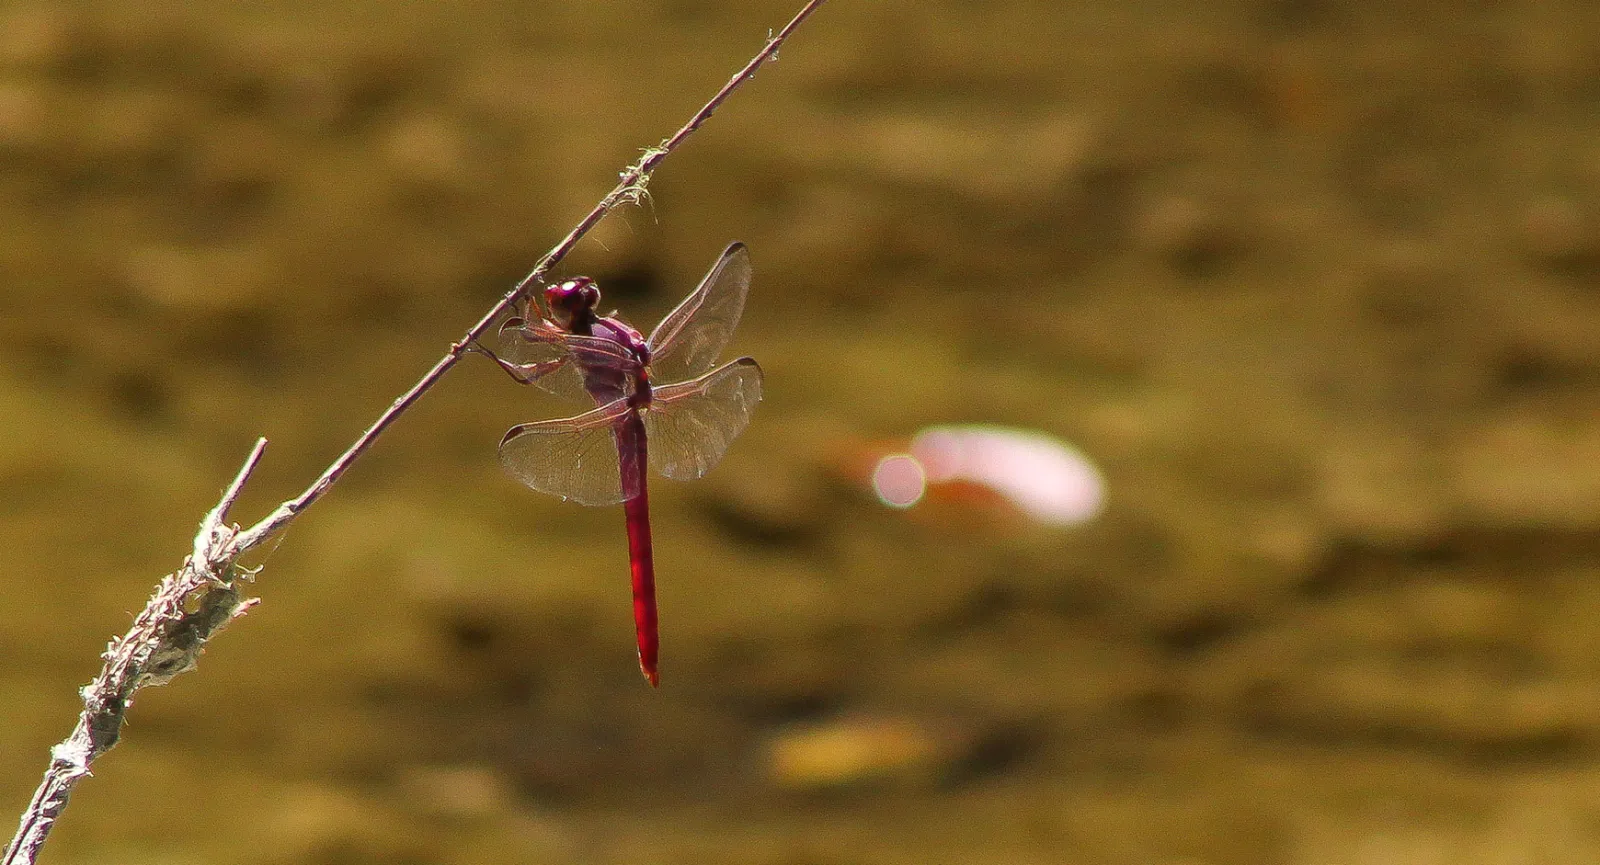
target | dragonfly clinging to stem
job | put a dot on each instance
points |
(658, 404)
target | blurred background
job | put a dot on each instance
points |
(1298, 296)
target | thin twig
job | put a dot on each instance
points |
(203, 595)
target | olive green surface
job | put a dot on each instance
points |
(1316, 285)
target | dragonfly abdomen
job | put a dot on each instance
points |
(632, 450)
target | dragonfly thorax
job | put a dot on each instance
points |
(623, 334)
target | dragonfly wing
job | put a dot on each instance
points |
(574, 458)
(690, 425)
(555, 356)
(691, 338)
(534, 350)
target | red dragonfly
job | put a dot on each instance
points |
(658, 403)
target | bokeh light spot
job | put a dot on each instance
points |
(899, 481)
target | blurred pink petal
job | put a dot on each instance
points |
(1046, 478)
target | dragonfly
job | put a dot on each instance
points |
(658, 404)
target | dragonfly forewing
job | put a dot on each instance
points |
(691, 424)
(574, 458)
(550, 358)
(690, 339)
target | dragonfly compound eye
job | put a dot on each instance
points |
(569, 298)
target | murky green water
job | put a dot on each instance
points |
(1313, 285)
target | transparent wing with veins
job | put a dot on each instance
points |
(573, 458)
(690, 425)
(548, 357)
(688, 341)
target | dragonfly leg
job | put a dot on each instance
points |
(476, 346)
(523, 373)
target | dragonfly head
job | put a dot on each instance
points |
(571, 300)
